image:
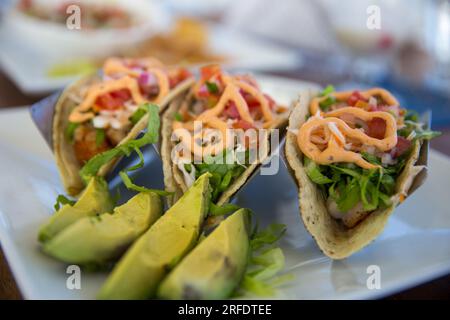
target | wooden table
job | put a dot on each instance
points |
(11, 96)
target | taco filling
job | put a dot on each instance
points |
(106, 110)
(355, 146)
(217, 129)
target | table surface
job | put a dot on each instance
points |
(11, 96)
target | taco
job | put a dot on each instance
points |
(354, 156)
(100, 112)
(222, 126)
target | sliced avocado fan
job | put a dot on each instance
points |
(93, 241)
(139, 272)
(215, 267)
(95, 199)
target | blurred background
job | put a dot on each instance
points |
(401, 45)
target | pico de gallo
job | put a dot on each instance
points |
(106, 111)
(220, 102)
(356, 144)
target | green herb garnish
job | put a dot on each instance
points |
(62, 200)
(212, 87)
(91, 168)
(178, 117)
(329, 89)
(70, 130)
(137, 115)
(129, 183)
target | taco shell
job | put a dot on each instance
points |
(173, 177)
(66, 161)
(335, 239)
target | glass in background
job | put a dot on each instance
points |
(370, 47)
(437, 41)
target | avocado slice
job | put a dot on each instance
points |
(215, 267)
(95, 199)
(139, 272)
(93, 241)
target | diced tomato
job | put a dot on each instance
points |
(182, 75)
(123, 94)
(354, 98)
(207, 72)
(231, 111)
(242, 124)
(402, 146)
(376, 128)
(251, 100)
(113, 100)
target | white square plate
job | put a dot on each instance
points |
(415, 246)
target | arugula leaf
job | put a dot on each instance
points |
(329, 89)
(369, 191)
(385, 199)
(131, 186)
(349, 197)
(313, 172)
(412, 115)
(62, 200)
(351, 172)
(92, 167)
(138, 114)
(426, 134)
(99, 136)
(371, 158)
(215, 210)
(212, 87)
(70, 130)
(327, 103)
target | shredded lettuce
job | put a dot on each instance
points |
(412, 123)
(223, 174)
(138, 114)
(265, 263)
(129, 183)
(92, 167)
(329, 101)
(329, 89)
(313, 172)
(215, 210)
(62, 200)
